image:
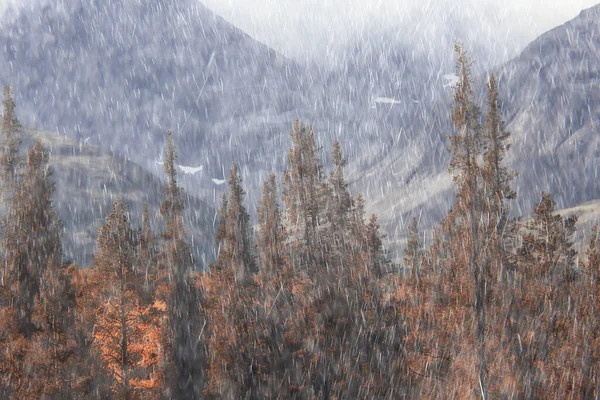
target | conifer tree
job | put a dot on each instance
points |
(17, 278)
(501, 230)
(547, 251)
(10, 158)
(337, 207)
(357, 224)
(238, 239)
(337, 181)
(53, 315)
(271, 235)
(377, 259)
(302, 192)
(232, 288)
(185, 317)
(37, 283)
(497, 175)
(545, 266)
(413, 252)
(38, 215)
(466, 148)
(118, 323)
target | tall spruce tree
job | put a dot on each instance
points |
(53, 315)
(466, 148)
(274, 303)
(271, 234)
(39, 216)
(339, 186)
(501, 229)
(120, 307)
(302, 193)
(10, 157)
(357, 224)
(238, 239)
(17, 278)
(338, 204)
(185, 301)
(233, 362)
(35, 283)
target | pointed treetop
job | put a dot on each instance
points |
(463, 67)
(233, 175)
(464, 112)
(172, 206)
(115, 241)
(338, 158)
(9, 121)
(38, 155)
(497, 138)
(170, 157)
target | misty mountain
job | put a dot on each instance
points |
(89, 179)
(118, 74)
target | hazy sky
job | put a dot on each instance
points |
(307, 27)
(318, 28)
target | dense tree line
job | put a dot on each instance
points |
(307, 305)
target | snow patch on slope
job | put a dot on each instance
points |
(191, 170)
(386, 100)
(185, 169)
(451, 80)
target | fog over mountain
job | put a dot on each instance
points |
(321, 30)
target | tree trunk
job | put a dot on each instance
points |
(124, 351)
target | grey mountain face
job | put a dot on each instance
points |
(552, 104)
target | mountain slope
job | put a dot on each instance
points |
(552, 106)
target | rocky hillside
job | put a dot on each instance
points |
(89, 179)
(552, 105)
